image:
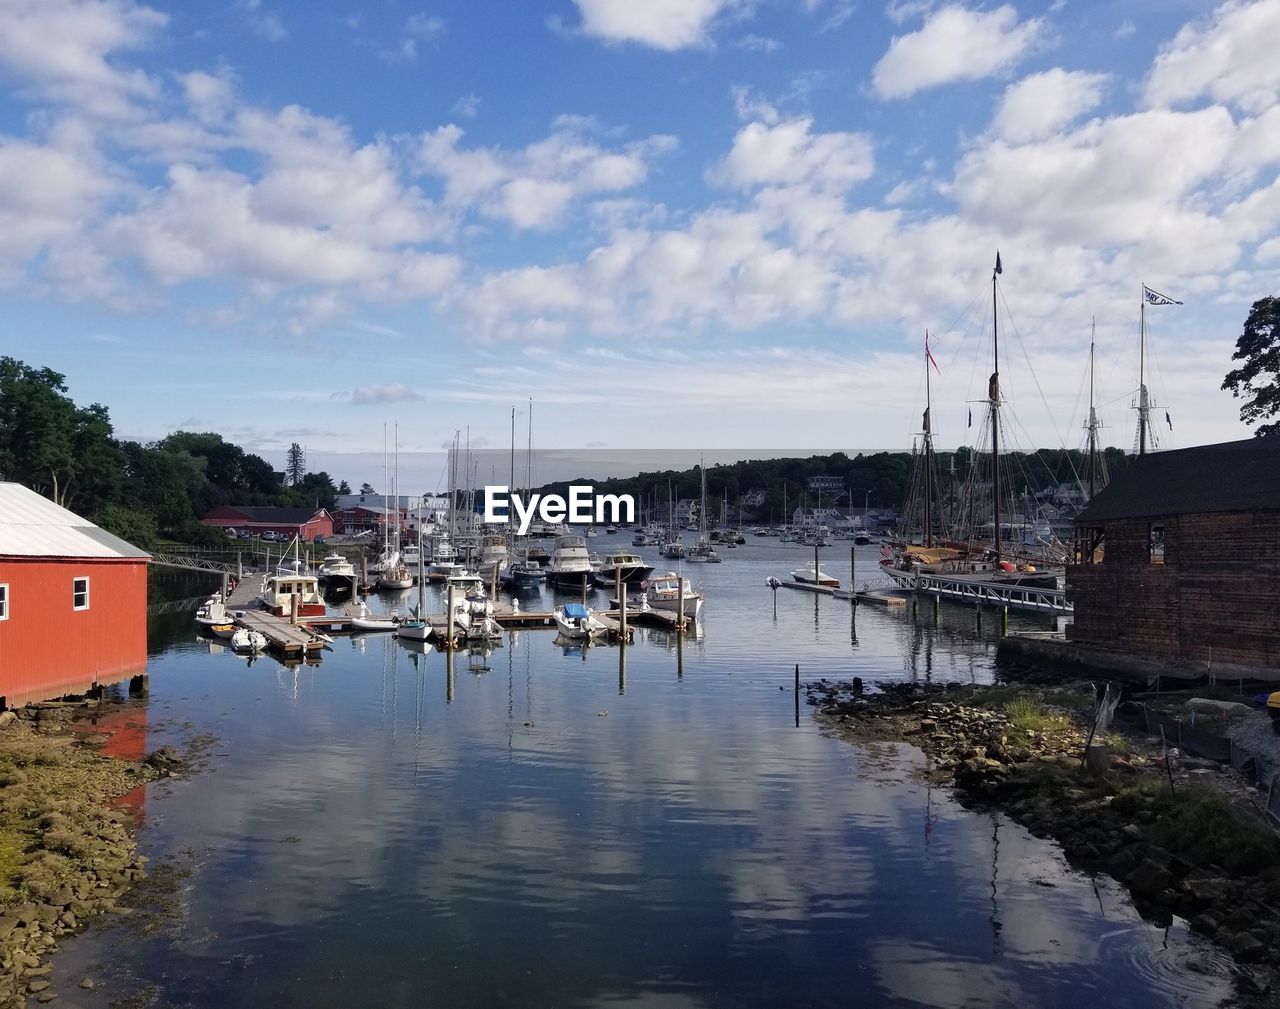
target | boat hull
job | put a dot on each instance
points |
(570, 580)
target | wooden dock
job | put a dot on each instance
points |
(292, 641)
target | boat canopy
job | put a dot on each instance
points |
(575, 611)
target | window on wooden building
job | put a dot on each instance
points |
(4, 602)
(80, 594)
(1155, 544)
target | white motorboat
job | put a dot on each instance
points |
(577, 622)
(364, 620)
(212, 612)
(493, 555)
(632, 567)
(279, 591)
(245, 640)
(807, 576)
(336, 566)
(570, 566)
(665, 592)
(444, 561)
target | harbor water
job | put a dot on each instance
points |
(548, 826)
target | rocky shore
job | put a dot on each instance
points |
(1187, 837)
(66, 855)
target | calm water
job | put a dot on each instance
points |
(561, 829)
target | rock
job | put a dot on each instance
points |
(1149, 879)
(7, 925)
(1205, 923)
(1232, 709)
(86, 983)
(1131, 831)
(37, 986)
(1208, 889)
(7, 718)
(1244, 946)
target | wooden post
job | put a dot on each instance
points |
(448, 627)
(853, 571)
(937, 607)
(364, 569)
(815, 562)
(622, 671)
(294, 605)
(622, 605)
(679, 604)
(239, 566)
(448, 680)
(585, 576)
(493, 590)
(797, 695)
(1004, 621)
(225, 593)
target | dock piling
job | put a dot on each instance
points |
(449, 623)
(797, 694)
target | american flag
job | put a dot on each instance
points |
(886, 552)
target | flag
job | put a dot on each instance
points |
(971, 416)
(929, 354)
(926, 421)
(1168, 420)
(999, 268)
(886, 552)
(1156, 298)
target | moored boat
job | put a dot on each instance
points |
(577, 622)
(664, 593)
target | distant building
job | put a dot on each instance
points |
(1178, 560)
(826, 484)
(810, 518)
(753, 498)
(73, 601)
(305, 523)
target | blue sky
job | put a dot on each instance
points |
(719, 223)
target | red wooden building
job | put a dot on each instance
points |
(73, 601)
(305, 523)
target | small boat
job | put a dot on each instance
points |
(807, 576)
(611, 530)
(245, 640)
(212, 611)
(395, 579)
(222, 630)
(577, 622)
(414, 630)
(279, 590)
(365, 620)
(665, 592)
(336, 566)
(570, 566)
(524, 574)
(631, 566)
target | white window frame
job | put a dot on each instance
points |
(4, 600)
(75, 592)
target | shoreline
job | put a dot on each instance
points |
(1186, 840)
(68, 853)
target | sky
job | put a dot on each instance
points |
(668, 223)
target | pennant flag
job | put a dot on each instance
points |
(929, 354)
(999, 268)
(1168, 420)
(1156, 298)
(971, 416)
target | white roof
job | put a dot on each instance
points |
(33, 526)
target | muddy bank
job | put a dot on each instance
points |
(67, 854)
(1186, 837)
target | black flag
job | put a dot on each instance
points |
(1168, 420)
(971, 416)
(999, 268)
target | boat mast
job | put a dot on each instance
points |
(1093, 419)
(994, 395)
(1143, 406)
(928, 449)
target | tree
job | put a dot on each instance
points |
(295, 467)
(366, 489)
(344, 487)
(1257, 379)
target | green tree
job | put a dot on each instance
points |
(366, 489)
(295, 467)
(344, 487)
(1257, 379)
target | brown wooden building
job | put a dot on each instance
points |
(1178, 561)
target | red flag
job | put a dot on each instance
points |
(929, 354)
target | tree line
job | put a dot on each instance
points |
(141, 492)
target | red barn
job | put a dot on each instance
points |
(73, 601)
(305, 523)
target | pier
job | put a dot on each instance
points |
(985, 592)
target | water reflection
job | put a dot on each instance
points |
(642, 825)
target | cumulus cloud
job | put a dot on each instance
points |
(955, 44)
(789, 153)
(532, 188)
(1043, 103)
(662, 24)
(1230, 57)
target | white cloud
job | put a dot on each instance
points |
(1231, 57)
(1043, 103)
(419, 28)
(468, 106)
(532, 188)
(955, 44)
(63, 50)
(264, 23)
(377, 395)
(789, 153)
(662, 24)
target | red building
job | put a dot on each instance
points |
(73, 601)
(305, 523)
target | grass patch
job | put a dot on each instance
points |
(1032, 715)
(1203, 826)
(12, 858)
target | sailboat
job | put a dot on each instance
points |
(702, 550)
(417, 629)
(1147, 435)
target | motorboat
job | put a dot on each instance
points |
(212, 611)
(223, 631)
(665, 594)
(245, 640)
(336, 566)
(577, 622)
(524, 574)
(281, 589)
(365, 620)
(808, 576)
(444, 561)
(673, 549)
(493, 555)
(631, 566)
(570, 566)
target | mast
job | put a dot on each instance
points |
(1143, 406)
(928, 449)
(1093, 420)
(994, 396)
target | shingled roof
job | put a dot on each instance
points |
(1234, 476)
